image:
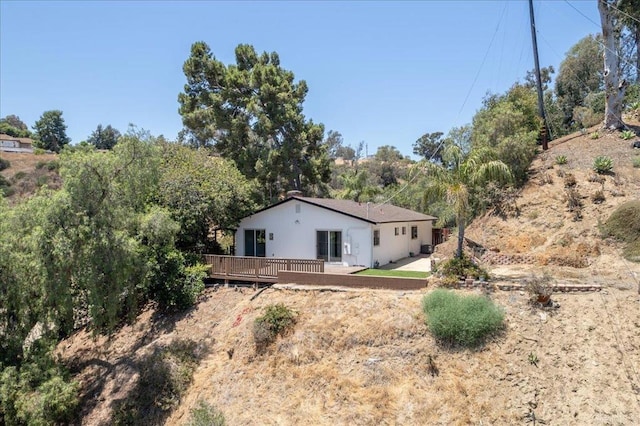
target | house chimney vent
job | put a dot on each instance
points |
(294, 193)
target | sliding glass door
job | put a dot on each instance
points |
(255, 242)
(329, 246)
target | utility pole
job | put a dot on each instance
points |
(545, 131)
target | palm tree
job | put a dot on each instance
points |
(459, 178)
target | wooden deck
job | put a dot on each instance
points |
(257, 269)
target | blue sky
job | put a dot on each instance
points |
(379, 72)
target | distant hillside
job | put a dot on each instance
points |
(27, 172)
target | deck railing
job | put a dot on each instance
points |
(263, 268)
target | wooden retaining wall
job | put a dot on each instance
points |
(354, 281)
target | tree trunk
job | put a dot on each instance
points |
(638, 53)
(614, 87)
(460, 237)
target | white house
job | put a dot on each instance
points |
(338, 231)
(14, 144)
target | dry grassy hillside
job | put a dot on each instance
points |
(362, 357)
(28, 172)
(539, 220)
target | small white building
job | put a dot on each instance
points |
(338, 231)
(14, 144)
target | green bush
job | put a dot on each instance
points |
(276, 320)
(4, 164)
(595, 135)
(18, 176)
(37, 393)
(49, 165)
(627, 134)
(636, 162)
(462, 267)
(624, 225)
(461, 320)
(602, 164)
(206, 414)
(561, 160)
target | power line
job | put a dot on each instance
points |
(483, 60)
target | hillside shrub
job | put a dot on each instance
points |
(206, 414)
(627, 134)
(635, 161)
(574, 203)
(595, 135)
(4, 185)
(37, 392)
(561, 160)
(4, 164)
(276, 320)
(49, 165)
(18, 176)
(624, 225)
(598, 197)
(602, 164)
(462, 267)
(569, 181)
(458, 320)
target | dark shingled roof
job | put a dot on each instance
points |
(369, 212)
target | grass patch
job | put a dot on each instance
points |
(464, 321)
(206, 414)
(624, 225)
(393, 273)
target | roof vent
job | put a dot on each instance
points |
(294, 193)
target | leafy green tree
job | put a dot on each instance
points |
(104, 138)
(428, 146)
(251, 112)
(580, 74)
(333, 142)
(459, 179)
(509, 125)
(356, 186)
(388, 154)
(50, 131)
(347, 153)
(202, 192)
(12, 125)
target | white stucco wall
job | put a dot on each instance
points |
(393, 247)
(294, 234)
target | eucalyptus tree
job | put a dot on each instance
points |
(614, 83)
(460, 178)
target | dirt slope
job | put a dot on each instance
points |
(362, 358)
(540, 223)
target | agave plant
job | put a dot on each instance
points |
(561, 159)
(627, 134)
(602, 164)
